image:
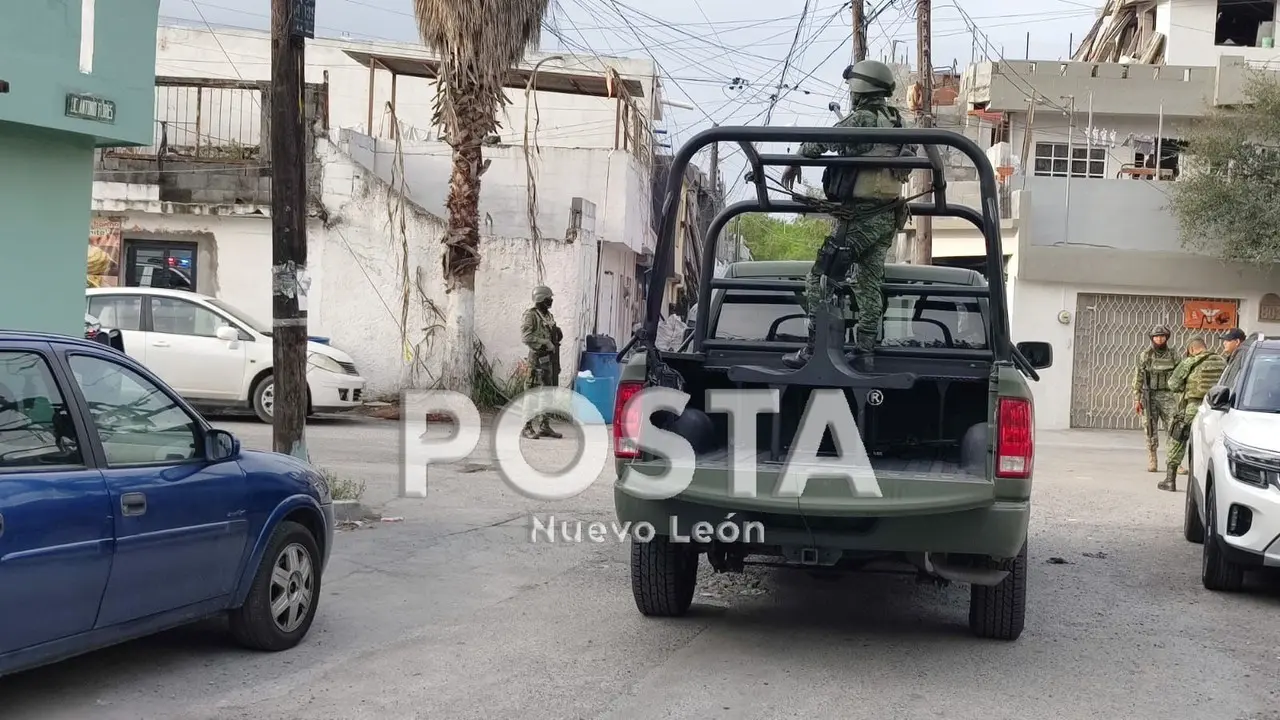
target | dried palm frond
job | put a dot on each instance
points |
(478, 42)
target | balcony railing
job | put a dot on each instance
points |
(218, 121)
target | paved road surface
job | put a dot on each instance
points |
(454, 614)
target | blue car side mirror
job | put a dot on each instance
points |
(221, 445)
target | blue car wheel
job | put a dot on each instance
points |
(286, 591)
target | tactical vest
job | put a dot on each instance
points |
(880, 184)
(1204, 376)
(876, 184)
(1159, 367)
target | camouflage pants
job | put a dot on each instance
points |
(1178, 449)
(854, 254)
(1160, 412)
(541, 374)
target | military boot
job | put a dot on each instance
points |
(1170, 481)
(862, 356)
(1153, 463)
(800, 358)
(545, 430)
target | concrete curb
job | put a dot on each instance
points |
(351, 511)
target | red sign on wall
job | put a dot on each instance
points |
(1218, 315)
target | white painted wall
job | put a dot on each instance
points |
(1191, 33)
(1035, 317)
(358, 285)
(1051, 125)
(239, 54)
(612, 179)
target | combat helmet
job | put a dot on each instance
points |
(870, 77)
(540, 293)
(1159, 330)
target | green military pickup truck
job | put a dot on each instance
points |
(927, 465)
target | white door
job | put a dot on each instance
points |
(184, 350)
(123, 313)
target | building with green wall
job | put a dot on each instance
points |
(75, 75)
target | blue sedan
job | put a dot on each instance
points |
(123, 513)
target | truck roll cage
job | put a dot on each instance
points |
(827, 368)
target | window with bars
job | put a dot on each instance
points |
(1051, 161)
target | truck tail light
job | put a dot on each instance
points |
(1015, 438)
(626, 421)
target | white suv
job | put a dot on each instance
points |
(1233, 497)
(215, 355)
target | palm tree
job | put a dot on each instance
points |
(478, 41)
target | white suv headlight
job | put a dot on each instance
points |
(326, 363)
(1251, 466)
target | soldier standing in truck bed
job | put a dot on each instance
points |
(1153, 401)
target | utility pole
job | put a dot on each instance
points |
(292, 21)
(922, 248)
(859, 30)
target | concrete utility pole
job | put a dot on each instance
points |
(859, 30)
(922, 248)
(292, 21)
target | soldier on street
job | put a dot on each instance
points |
(1153, 401)
(540, 334)
(871, 211)
(1191, 380)
(1231, 341)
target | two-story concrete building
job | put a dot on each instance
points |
(1095, 258)
(75, 75)
(197, 198)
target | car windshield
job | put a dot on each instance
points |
(244, 317)
(909, 320)
(1261, 392)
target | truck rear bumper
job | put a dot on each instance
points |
(998, 530)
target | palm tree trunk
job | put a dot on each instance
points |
(462, 241)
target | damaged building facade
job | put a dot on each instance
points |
(1093, 145)
(193, 209)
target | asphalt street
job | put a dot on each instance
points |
(453, 613)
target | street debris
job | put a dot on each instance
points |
(1059, 561)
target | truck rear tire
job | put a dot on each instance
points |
(663, 576)
(998, 612)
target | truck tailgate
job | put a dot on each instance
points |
(901, 487)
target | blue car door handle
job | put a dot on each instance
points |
(133, 504)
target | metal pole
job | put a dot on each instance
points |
(288, 234)
(1071, 131)
(1028, 54)
(1159, 132)
(922, 248)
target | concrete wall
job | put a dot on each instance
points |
(613, 180)
(1117, 89)
(1191, 34)
(1035, 317)
(356, 261)
(561, 119)
(40, 57)
(46, 180)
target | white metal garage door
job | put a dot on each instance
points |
(1110, 332)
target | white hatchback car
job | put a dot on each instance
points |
(1233, 497)
(215, 355)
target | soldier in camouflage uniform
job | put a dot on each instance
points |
(539, 332)
(1152, 398)
(871, 214)
(1191, 380)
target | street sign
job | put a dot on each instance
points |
(88, 107)
(304, 18)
